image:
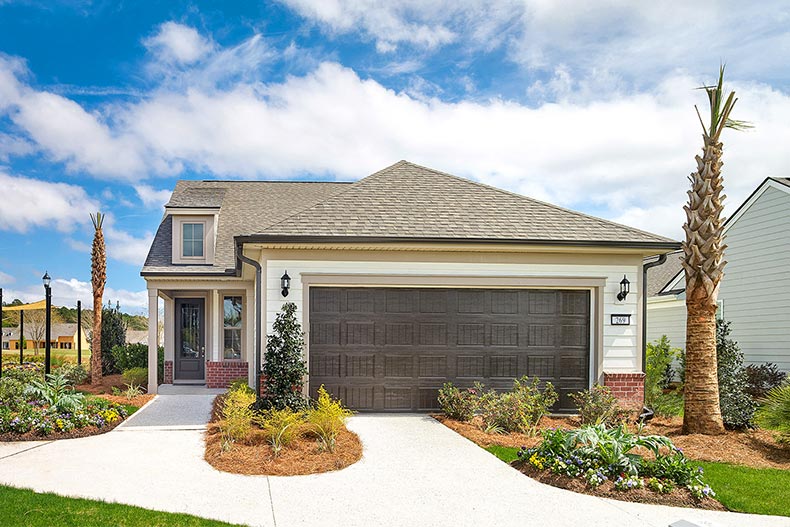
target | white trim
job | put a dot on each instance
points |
(175, 211)
(209, 223)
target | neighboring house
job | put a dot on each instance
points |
(64, 337)
(755, 292)
(135, 336)
(403, 280)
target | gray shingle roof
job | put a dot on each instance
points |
(58, 330)
(403, 201)
(659, 276)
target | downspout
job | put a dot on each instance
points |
(258, 311)
(646, 412)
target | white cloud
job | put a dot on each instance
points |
(66, 292)
(151, 197)
(177, 43)
(126, 247)
(32, 203)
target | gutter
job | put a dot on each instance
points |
(645, 267)
(258, 311)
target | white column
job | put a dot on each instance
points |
(170, 329)
(153, 338)
(249, 332)
(216, 316)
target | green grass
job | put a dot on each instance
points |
(746, 489)
(25, 508)
(739, 488)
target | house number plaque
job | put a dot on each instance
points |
(621, 320)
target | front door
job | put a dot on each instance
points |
(190, 339)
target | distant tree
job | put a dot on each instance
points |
(36, 326)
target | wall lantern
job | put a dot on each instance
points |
(285, 283)
(625, 288)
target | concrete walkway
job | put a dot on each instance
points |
(414, 472)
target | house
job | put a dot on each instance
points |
(63, 337)
(755, 292)
(403, 280)
(136, 336)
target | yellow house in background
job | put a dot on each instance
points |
(64, 337)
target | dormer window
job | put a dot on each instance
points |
(192, 239)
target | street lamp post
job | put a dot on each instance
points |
(46, 279)
(1, 332)
(79, 332)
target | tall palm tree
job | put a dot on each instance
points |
(703, 263)
(98, 279)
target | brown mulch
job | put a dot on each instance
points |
(302, 456)
(753, 448)
(473, 431)
(680, 497)
(54, 436)
(108, 382)
(138, 401)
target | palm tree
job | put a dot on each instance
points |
(98, 279)
(703, 262)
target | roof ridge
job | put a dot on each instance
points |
(529, 198)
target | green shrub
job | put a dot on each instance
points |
(281, 427)
(240, 384)
(668, 404)
(457, 403)
(13, 384)
(132, 390)
(658, 368)
(775, 413)
(284, 366)
(598, 406)
(737, 407)
(74, 373)
(326, 418)
(237, 415)
(518, 410)
(129, 356)
(56, 392)
(761, 379)
(135, 376)
(113, 333)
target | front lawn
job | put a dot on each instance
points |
(739, 488)
(25, 508)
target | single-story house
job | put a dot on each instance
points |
(403, 280)
(755, 292)
(63, 337)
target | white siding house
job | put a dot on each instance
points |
(755, 292)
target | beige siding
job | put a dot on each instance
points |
(756, 287)
(667, 318)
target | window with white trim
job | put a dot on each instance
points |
(232, 316)
(192, 239)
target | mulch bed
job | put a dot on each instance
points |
(108, 382)
(138, 401)
(680, 497)
(302, 456)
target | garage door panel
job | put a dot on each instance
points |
(391, 349)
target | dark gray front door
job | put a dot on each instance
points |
(392, 349)
(190, 339)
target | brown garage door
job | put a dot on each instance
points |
(391, 349)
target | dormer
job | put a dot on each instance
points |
(194, 214)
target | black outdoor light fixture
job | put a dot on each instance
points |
(625, 288)
(285, 283)
(48, 334)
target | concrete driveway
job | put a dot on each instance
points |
(414, 472)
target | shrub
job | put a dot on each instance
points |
(281, 427)
(240, 384)
(658, 368)
(13, 384)
(132, 390)
(284, 366)
(737, 407)
(113, 333)
(56, 392)
(775, 413)
(519, 410)
(457, 403)
(237, 415)
(74, 373)
(598, 406)
(326, 418)
(763, 378)
(136, 376)
(668, 404)
(127, 356)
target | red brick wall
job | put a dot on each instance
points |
(220, 374)
(629, 388)
(168, 372)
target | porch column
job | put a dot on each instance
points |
(153, 339)
(216, 329)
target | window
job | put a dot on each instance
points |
(5, 345)
(232, 327)
(192, 240)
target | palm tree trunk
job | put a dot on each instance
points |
(702, 414)
(96, 369)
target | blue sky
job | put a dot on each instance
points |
(104, 105)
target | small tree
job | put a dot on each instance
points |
(284, 366)
(737, 407)
(113, 333)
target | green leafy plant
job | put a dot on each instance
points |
(240, 384)
(598, 406)
(762, 378)
(774, 414)
(457, 403)
(660, 356)
(56, 392)
(237, 415)
(613, 446)
(75, 373)
(128, 356)
(737, 407)
(13, 384)
(518, 410)
(284, 366)
(132, 390)
(282, 427)
(137, 376)
(326, 418)
(113, 333)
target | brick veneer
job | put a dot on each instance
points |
(168, 372)
(219, 374)
(629, 388)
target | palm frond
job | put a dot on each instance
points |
(720, 109)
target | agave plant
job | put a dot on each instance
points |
(613, 446)
(775, 412)
(56, 392)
